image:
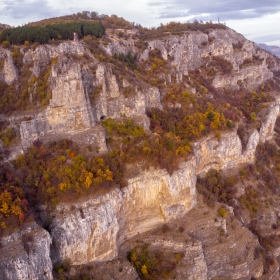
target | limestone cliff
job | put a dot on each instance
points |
(26, 254)
(190, 52)
(86, 90)
(148, 201)
(83, 93)
(93, 230)
(8, 71)
(72, 83)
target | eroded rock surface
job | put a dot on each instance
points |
(26, 255)
(207, 246)
(93, 230)
(190, 51)
(9, 72)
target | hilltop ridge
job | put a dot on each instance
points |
(272, 49)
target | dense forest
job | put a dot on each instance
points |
(43, 35)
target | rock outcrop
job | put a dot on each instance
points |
(8, 71)
(93, 230)
(110, 103)
(82, 97)
(26, 255)
(225, 152)
(235, 245)
(191, 50)
(69, 108)
(268, 123)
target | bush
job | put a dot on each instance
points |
(6, 44)
(215, 187)
(223, 212)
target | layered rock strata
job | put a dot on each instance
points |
(94, 230)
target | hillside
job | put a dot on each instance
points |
(4, 26)
(137, 153)
(272, 49)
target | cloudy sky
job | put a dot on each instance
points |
(257, 20)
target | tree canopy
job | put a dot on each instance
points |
(42, 35)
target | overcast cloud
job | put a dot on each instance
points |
(27, 9)
(258, 20)
(223, 9)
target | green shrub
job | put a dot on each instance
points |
(223, 212)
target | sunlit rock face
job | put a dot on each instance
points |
(8, 70)
(81, 96)
(93, 230)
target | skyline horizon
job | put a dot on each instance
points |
(255, 20)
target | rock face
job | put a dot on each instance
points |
(192, 264)
(224, 153)
(9, 72)
(190, 52)
(45, 54)
(83, 94)
(69, 108)
(224, 255)
(115, 269)
(267, 127)
(94, 229)
(111, 103)
(116, 47)
(207, 246)
(72, 108)
(26, 255)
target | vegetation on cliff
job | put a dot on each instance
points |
(190, 108)
(153, 265)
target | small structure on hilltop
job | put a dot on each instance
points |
(75, 37)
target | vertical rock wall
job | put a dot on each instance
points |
(9, 72)
(25, 255)
(94, 229)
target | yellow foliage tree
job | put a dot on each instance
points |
(144, 269)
